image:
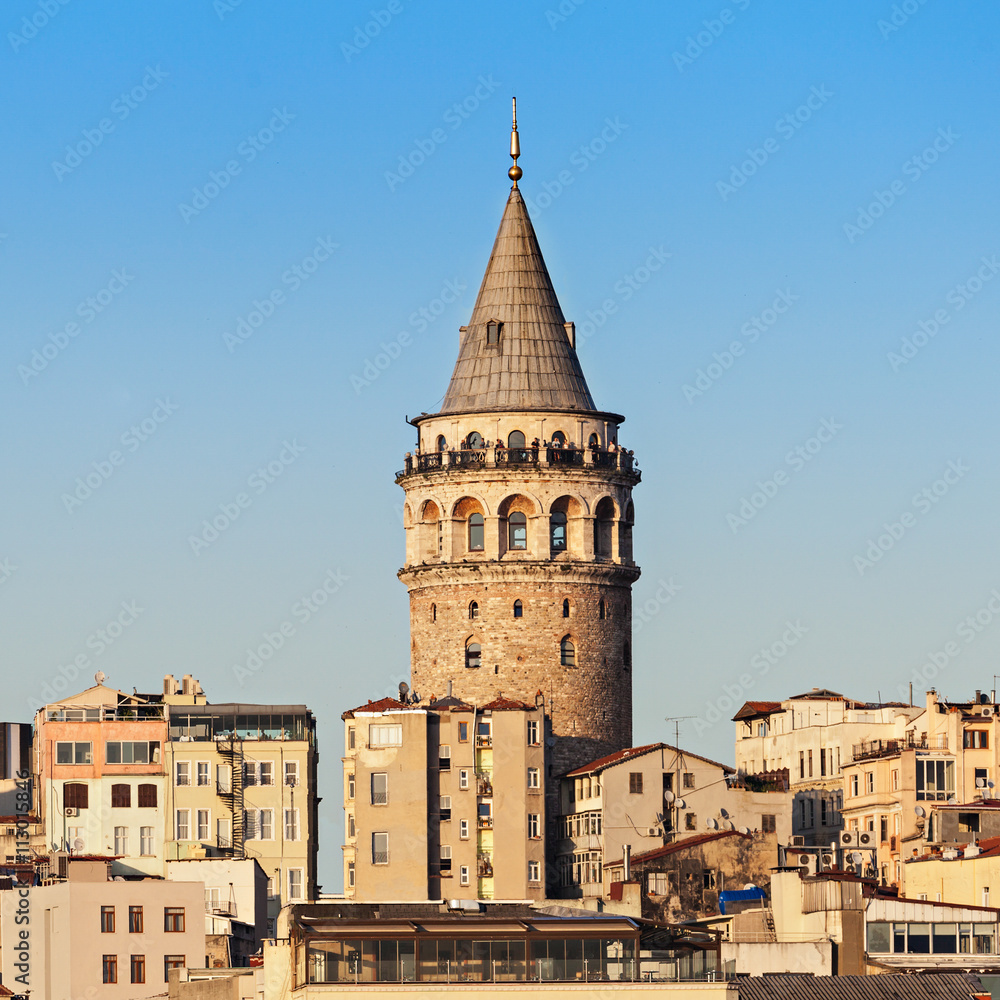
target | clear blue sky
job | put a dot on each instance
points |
(235, 143)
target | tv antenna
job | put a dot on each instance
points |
(677, 720)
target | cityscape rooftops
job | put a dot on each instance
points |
(603, 763)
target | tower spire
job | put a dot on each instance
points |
(515, 173)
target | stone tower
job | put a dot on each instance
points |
(519, 514)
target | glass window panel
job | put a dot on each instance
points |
(983, 936)
(878, 937)
(899, 939)
(919, 939)
(945, 939)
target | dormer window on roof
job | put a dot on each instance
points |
(493, 329)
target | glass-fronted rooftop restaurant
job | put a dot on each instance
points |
(485, 948)
(242, 722)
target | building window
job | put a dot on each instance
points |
(203, 824)
(557, 529)
(708, 879)
(107, 920)
(463, 779)
(121, 841)
(533, 740)
(445, 808)
(350, 874)
(110, 968)
(138, 968)
(182, 772)
(463, 877)
(635, 783)
(688, 779)
(802, 764)
(567, 652)
(810, 763)
(445, 858)
(378, 736)
(350, 730)
(463, 829)
(768, 824)
(601, 610)
(518, 609)
(380, 789)
(534, 826)
(222, 833)
(350, 786)
(463, 732)
(493, 336)
(690, 821)
(147, 797)
(295, 883)
(249, 772)
(870, 782)
(265, 820)
(172, 962)
(75, 795)
(853, 785)
(474, 440)
(132, 751)
(444, 757)
(291, 824)
(626, 657)
(135, 920)
(473, 609)
(380, 848)
(517, 531)
(534, 871)
(533, 778)
(182, 824)
(146, 844)
(173, 919)
(976, 739)
(74, 753)
(477, 533)
(292, 766)
(603, 526)
(967, 823)
(351, 830)
(203, 776)
(434, 612)
(473, 654)
(565, 608)
(121, 796)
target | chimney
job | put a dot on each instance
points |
(168, 683)
(627, 863)
(449, 689)
(186, 684)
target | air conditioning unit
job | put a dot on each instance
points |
(849, 838)
(71, 811)
(798, 841)
(653, 831)
(987, 710)
(827, 862)
(866, 838)
(808, 863)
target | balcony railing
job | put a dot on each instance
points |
(887, 748)
(485, 822)
(484, 740)
(547, 455)
(220, 907)
(484, 784)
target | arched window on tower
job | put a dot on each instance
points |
(627, 657)
(566, 607)
(559, 439)
(601, 610)
(595, 441)
(518, 609)
(493, 329)
(473, 654)
(567, 652)
(625, 543)
(515, 440)
(557, 531)
(517, 531)
(474, 440)
(442, 444)
(603, 525)
(473, 609)
(477, 533)
(434, 612)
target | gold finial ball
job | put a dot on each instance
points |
(515, 173)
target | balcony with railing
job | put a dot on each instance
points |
(545, 456)
(484, 822)
(484, 866)
(484, 783)
(484, 740)
(873, 749)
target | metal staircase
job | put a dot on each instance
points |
(231, 751)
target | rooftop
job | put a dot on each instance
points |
(603, 763)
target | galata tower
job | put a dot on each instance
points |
(519, 515)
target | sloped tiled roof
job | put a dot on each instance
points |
(535, 366)
(940, 986)
(754, 708)
(382, 705)
(596, 766)
(502, 704)
(681, 845)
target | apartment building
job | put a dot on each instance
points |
(649, 796)
(242, 784)
(444, 801)
(812, 736)
(102, 778)
(91, 936)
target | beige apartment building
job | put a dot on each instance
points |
(445, 801)
(811, 735)
(648, 796)
(94, 937)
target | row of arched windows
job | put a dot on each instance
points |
(603, 609)
(567, 654)
(515, 441)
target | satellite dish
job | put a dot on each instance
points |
(119, 878)
(989, 784)
(731, 825)
(920, 811)
(749, 887)
(681, 803)
(78, 844)
(980, 782)
(744, 829)
(711, 824)
(404, 690)
(100, 677)
(668, 796)
(723, 814)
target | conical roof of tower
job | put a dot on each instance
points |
(535, 366)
